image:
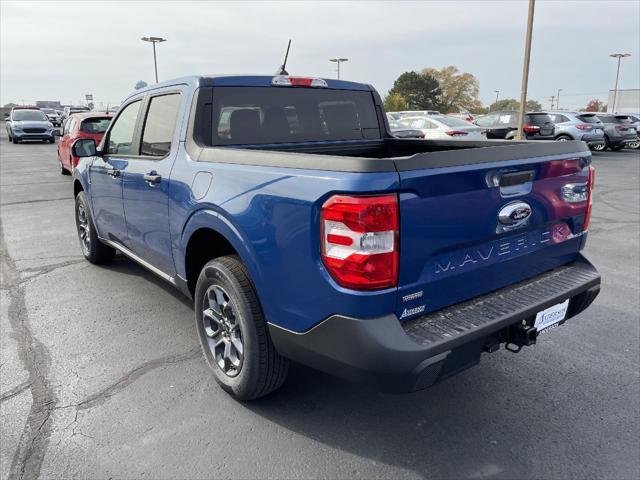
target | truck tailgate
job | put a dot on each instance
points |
(469, 229)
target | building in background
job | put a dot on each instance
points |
(627, 101)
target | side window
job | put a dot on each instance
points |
(70, 124)
(121, 134)
(485, 121)
(160, 125)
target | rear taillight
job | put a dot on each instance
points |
(456, 133)
(587, 215)
(359, 240)
(531, 128)
(583, 126)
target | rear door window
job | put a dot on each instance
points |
(262, 115)
(160, 125)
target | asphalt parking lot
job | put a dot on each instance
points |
(101, 375)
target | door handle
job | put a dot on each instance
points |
(152, 178)
(114, 173)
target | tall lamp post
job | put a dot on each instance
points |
(619, 56)
(154, 40)
(338, 61)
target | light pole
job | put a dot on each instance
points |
(525, 68)
(619, 56)
(154, 40)
(497, 92)
(338, 61)
(558, 99)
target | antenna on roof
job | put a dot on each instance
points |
(282, 70)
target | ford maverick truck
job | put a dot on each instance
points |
(304, 231)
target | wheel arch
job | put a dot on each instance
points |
(208, 234)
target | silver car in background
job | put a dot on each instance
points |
(443, 127)
(578, 126)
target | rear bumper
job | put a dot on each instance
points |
(619, 141)
(404, 357)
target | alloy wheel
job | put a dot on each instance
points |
(222, 330)
(83, 229)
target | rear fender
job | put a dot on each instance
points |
(213, 219)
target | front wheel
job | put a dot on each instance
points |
(233, 333)
(93, 249)
(598, 147)
(14, 140)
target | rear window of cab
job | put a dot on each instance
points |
(261, 115)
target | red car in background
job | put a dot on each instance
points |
(80, 125)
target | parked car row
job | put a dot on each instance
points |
(600, 131)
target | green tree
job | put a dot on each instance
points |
(459, 90)
(513, 104)
(422, 92)
(394, 102)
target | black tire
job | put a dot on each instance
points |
(257, 369)
(15, 140)
(607, 144)
(563, 138)
(63, 171)
(93, 250)
(52, 140)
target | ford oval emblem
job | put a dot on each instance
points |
(514, 213)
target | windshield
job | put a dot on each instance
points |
(452, 121)
(622, 119)
(589, 118)
(95, 125)
(254, 115)
(29, 115)
(539, 118)
(48, 111)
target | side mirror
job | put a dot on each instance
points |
(85, 147)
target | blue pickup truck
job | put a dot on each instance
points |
(304, 231)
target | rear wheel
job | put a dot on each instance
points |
(563, 138)
(633, 145)
(598, 147)
(233, 333)
(92, 248)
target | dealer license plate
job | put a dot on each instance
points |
(551, 316)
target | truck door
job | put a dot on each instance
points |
(106, 175)
(146, 182)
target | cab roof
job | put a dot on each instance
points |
(195, 81)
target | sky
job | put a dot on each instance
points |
(64, 50)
